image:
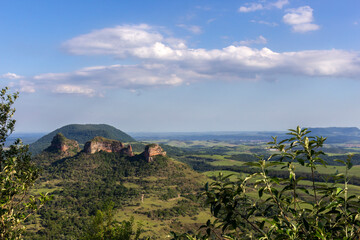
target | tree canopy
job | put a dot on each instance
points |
(17, 176)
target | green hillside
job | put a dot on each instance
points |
(156, 193)
(81, 133)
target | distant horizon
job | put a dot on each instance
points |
(184, 132)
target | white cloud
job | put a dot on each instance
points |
(26, 86)
(123, 41)
(191, 28)
(18, 83)
(10, 76)
(230, 63)
(301, 19)
(166, 62)
(73, 89)
(93, 81)
(120, 39)
(258, 40)
(279, 4)
(306, 27)
(252, 7)
(272, 24)
(299, 15)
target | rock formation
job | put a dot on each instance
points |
(128, 151)
(67, 147)
(98, 144)
(153, 150)
(60, 144)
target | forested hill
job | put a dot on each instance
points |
(329, 131)
(81, 133)
(150, 186)
(338, 134)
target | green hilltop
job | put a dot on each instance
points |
(81, 133)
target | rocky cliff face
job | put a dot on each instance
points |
(153, 150)
(60, 144)
(103, 144)
(128, 151)
(67, 147)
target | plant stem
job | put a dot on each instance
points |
(313, 181)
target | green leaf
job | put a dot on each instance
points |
(216, 210)
(338, 190)
(306, 224)
(301, 161)
(261, 191)
(340, 161)
(252, 164)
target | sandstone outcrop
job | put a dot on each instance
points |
(103, 144)
(153, 150)
(67, 147)
(128, 151)
(60, 144)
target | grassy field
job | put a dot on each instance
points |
(354, 171)
(161, 227)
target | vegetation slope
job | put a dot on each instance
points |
(157, 192)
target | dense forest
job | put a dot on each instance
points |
(86, 183)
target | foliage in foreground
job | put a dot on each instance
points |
(17, 176)
(285, 209)
(104, 226)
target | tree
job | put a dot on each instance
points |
(104, 226)
(285, 208)
(17, 175)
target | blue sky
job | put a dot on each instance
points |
(182, 65)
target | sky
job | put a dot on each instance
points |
(190, 65)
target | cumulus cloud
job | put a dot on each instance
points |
(258, 40)
(166, 62)
(301, 19)
(279, 4)
(10, 76)
(121, 39)
(252, 7)
(191, 28)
